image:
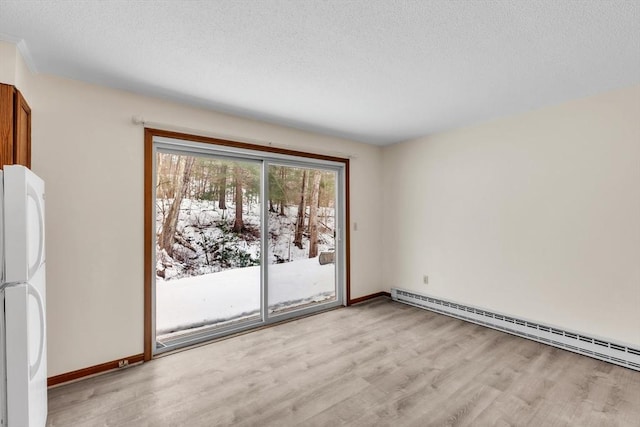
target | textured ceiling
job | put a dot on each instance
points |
(378, 71)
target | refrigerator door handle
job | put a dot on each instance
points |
(36, 198)
(33, 369)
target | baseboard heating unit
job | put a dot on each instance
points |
(617, 353)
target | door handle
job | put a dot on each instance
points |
(33, 369)
(31, 192)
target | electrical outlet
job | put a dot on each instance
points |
(425, 279)
(123, 363)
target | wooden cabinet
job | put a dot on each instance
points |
(7, 115)
(22, 132)
(15, 127)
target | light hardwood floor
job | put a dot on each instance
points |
(376, 363)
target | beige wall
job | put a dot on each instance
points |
(91, 157)
(536, 215)
(22, 75)
(13, 69)
(7, 63)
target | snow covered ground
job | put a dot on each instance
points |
(213, 277)
(213, 247)
(197, 301)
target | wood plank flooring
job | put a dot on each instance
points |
(379, 363)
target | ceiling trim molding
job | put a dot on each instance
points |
(22, 47)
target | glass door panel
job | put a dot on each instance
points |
(301, 245)
(208, 245)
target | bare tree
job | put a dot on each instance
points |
(222, 187)
(297, 240)
(238, 224)
(313, 215)
(283, 200)
(167, 235)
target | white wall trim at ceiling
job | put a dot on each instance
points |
(22, 47)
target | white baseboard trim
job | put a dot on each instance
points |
(577, 342)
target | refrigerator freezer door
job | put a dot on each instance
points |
(3, 371)
(23, 224)
(1, 227)
(26, 352)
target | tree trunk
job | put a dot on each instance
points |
(175, 168)
(301, 210)
(168, 234)
(238, 224)
(313, 215)
(222, 188)
(283, 199)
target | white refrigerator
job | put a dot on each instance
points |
(23, 338)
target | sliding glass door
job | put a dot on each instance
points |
(208, 227)
(242, 239)
(301, 245)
